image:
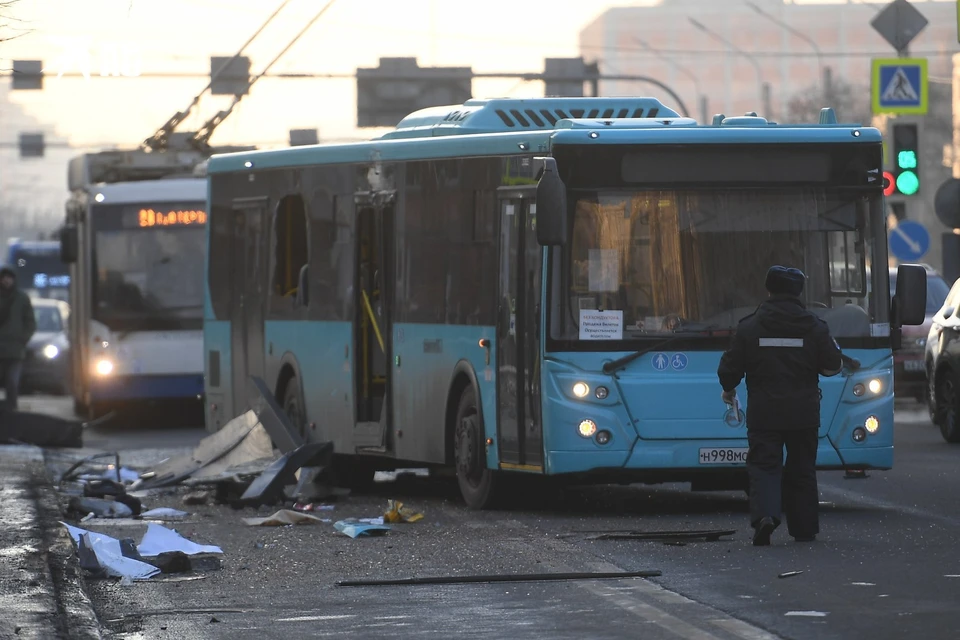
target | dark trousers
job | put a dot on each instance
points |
(10, 370)
(790, 488)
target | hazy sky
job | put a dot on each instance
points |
(180, 35)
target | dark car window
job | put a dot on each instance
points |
(937, 291)
(48, 319)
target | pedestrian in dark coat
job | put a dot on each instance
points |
(17, 326)
(782, 349)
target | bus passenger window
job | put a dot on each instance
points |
(290, 251)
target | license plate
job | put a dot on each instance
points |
(913, 365)
(723, 455)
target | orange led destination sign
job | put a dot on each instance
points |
(172, 218)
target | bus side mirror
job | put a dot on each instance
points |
(553, 227)
(909, 306)
(69, 244)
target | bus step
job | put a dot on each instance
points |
(368, 434)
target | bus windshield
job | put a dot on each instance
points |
(654, 263)
(148, 262)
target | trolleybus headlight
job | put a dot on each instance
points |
(603, 437)
(872, 424)
(875, 386)
(581, 389)
(587, 428)
(859, 434)
(601, 393)
(104, 367)
(50, 351)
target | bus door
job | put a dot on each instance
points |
(518, 333)
(372, 322)
(246, 309)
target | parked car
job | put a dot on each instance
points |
(942, 360)
(909, 371)
(46, 367)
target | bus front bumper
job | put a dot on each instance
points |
(147, 387)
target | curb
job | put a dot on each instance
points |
(78, 619)
(53, 602)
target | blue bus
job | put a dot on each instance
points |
(545, 286)
(40, 272)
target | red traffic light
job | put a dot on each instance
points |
(889, 184)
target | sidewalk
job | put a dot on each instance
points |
(41, 593)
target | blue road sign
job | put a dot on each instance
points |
(900, 85)
(909, 240)
(660, 361)
(679, 361)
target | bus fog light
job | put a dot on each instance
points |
(104, 367)
(875, 386)
(581, 389)
(872, 424)
(859, 434)
(603, 437)
(859, 389)
(587, 428)
(601, 393)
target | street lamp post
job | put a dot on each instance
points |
(799, 34)
(701, 99)
(764, 90)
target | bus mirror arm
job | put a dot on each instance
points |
(69, 244)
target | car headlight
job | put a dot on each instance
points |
(50, 351)
(104, 367)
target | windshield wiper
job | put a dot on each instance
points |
(619, 363)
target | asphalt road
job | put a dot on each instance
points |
(885, 565)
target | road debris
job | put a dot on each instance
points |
(530, 577)
(356, 528)
(102, 556)
(789, 574)
(164, 512)
(396, 512)
(283, 518)
(196, 498)
(268, 487)
(299, 506)
(40, 430)
(99, 507)
(158, 539)
(713, 535)
(807, 614)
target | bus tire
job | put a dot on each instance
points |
(478, 484)
(948, 406)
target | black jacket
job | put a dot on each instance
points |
(781, 348)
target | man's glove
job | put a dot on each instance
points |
(729, 396)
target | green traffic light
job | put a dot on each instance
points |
(907, 159)
(908, 183)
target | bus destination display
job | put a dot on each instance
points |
(149, 217)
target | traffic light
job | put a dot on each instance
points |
(906, 159)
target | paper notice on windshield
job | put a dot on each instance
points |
(601, 325)
(880, 329)
(604, 267)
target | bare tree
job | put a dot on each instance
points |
(850, 102)
(6, 18)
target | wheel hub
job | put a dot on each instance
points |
(468, 448)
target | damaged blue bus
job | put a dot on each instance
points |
(545, 286)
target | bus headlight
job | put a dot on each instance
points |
(587, 428)
(875, 386)
(104, 367)
(50, 351)
(581, 389)
(872, 424)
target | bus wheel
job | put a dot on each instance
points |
(477, 482)
(293, 405)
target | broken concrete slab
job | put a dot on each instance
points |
(285, 435)
(22, 427)
(210, 450)
(269, 485)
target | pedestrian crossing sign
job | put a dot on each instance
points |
(899, 85)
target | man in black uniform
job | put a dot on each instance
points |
(781, 348)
